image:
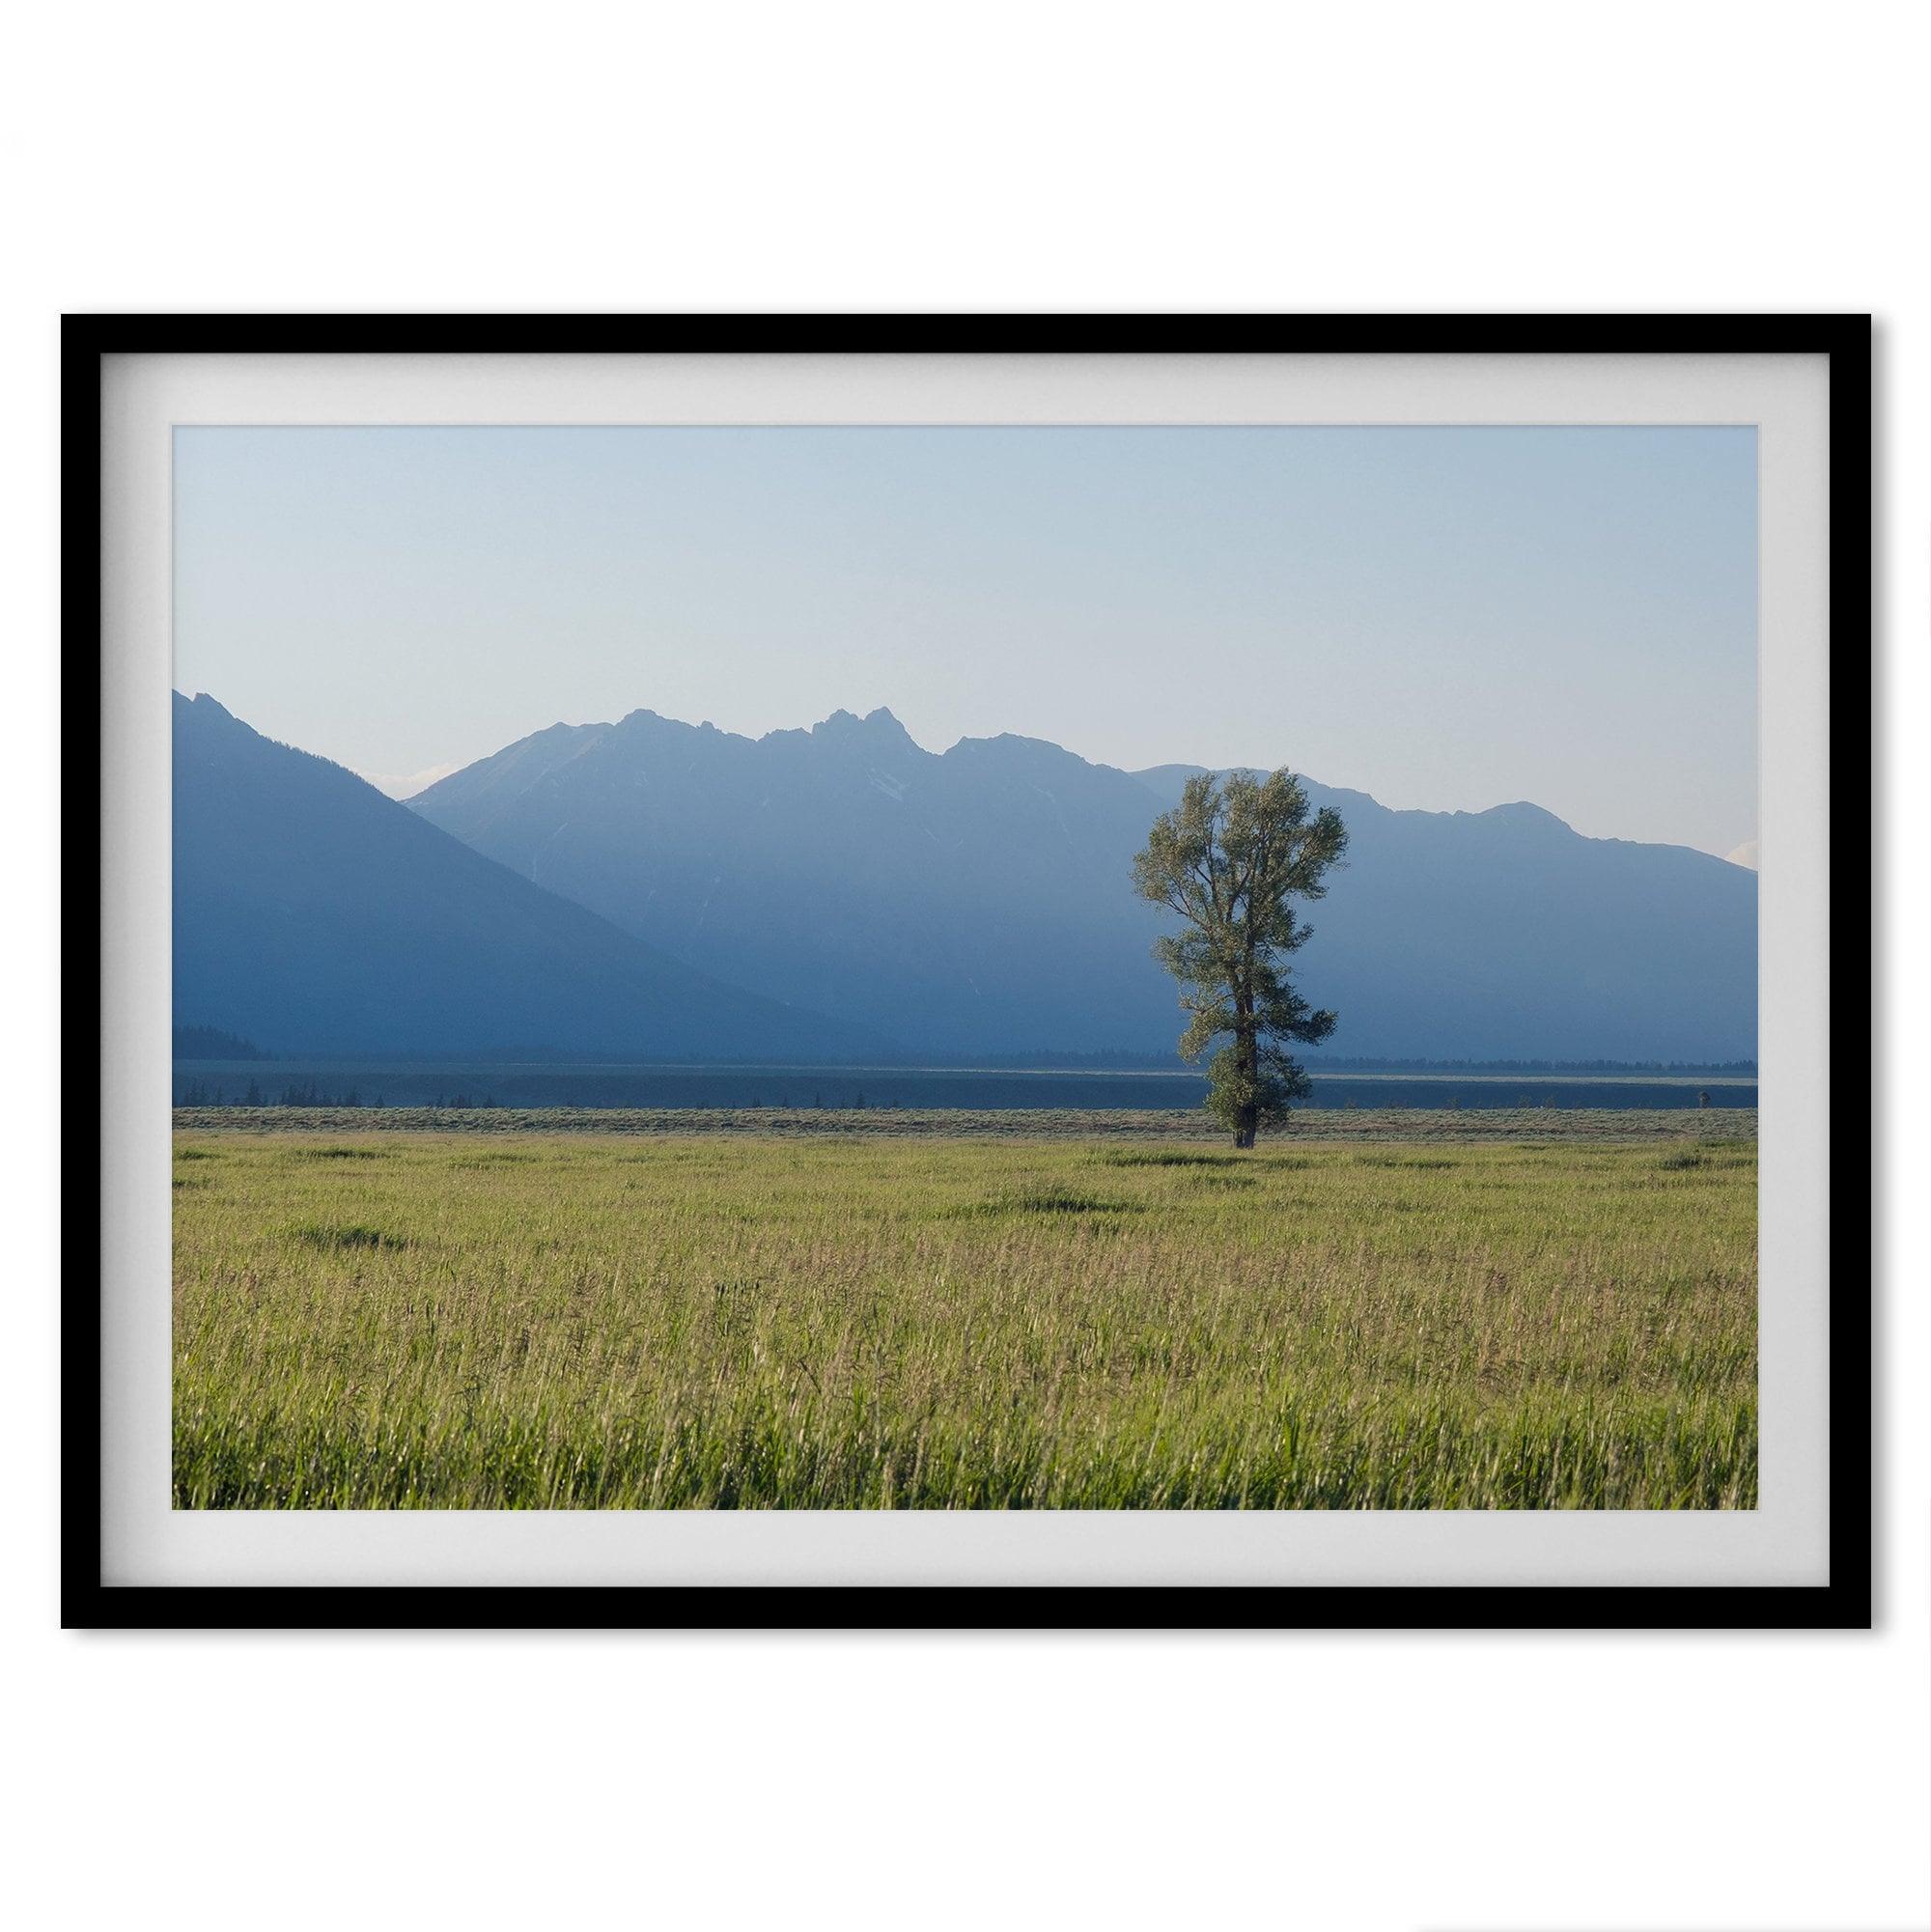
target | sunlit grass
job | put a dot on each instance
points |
(584, 1320)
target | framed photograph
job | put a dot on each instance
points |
(934, 971)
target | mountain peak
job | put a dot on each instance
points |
(411, 942)
(203, 706)
(879, 725)
(1524, 816)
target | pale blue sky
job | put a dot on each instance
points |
(1445, 618)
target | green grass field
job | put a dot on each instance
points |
(1356, 1316)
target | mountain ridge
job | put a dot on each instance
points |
(981, 895)
(318, 915)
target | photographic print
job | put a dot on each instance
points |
(965, 968)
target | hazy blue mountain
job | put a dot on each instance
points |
(1504, 934)
(210, 1043)
(980, 899)
(317, 917)
(968, 903)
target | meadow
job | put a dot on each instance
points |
(526, 1311)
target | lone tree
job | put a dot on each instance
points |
(1229, 859)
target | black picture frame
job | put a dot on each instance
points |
(1844, 1601)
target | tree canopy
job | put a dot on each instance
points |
(1231, 859)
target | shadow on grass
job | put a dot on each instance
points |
(313, 1235)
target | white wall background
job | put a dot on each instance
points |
(1117, 156)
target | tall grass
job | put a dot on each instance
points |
(604, 1320)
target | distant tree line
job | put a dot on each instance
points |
(311, 1093)
(1357, 1064)
(1125, 1060)
(301, 1093)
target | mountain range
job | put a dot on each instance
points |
(648, 890)
(978, 900)
(315, 916)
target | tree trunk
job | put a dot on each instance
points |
(1247, 1063)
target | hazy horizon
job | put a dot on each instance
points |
(1446, 619)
